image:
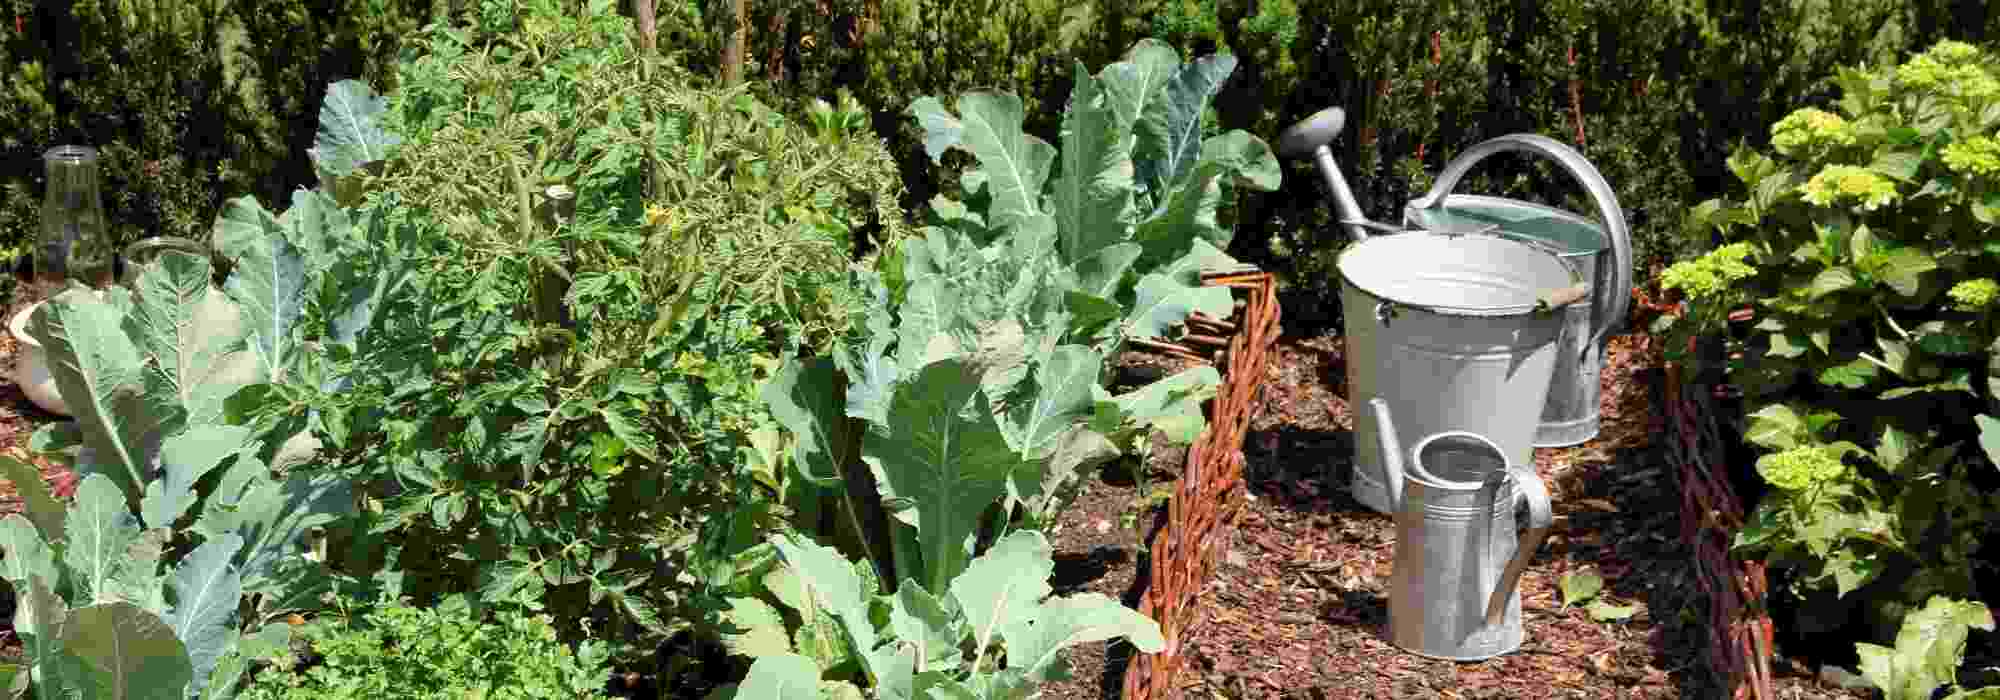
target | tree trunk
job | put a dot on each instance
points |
(732, 48)
(642, 12)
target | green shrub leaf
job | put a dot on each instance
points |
(1777, 427)
(1903, 270)
(754, 628)
(1854, 374)
(1830, 280)
(1989, 437)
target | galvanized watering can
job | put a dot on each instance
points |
(1454, 591)
(1602, 254)
(1457, 331)
(1561, 408)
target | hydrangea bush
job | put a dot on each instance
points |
(1865, 252)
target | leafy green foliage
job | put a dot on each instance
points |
(976, 382)
(561, 408)
(1928, 650)
(1848, 246)
(1856, 518)
(1583, 586)
(444, 652)
(155, 372)
(100, 618)
(1000, 601)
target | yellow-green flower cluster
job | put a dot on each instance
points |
(1811, 127)
(1979, 155)
(1801, 468)
(1952, 68)
(1703, 277)
(1836, 183)
(1974, 294)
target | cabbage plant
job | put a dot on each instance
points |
(185, 536)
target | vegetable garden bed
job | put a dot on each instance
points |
(1295, 598)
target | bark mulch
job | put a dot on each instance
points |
(1298, 599)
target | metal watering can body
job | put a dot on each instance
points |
(1454, 593)
(1602, 253)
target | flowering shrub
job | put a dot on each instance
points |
(1865, 252)
(1802, 468)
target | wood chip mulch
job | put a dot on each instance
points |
(1298, 600)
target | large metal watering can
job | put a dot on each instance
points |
(1457, 330)
(1602, 254)
(1454, 593)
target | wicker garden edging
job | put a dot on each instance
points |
(1741, 636)
(1210, 492)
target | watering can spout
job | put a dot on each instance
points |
(1392, 452)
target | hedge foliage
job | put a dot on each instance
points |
(1666, 88)
(188, 102)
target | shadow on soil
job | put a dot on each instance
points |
(1637, 546)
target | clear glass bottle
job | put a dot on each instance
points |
(75, 242)
(145, 251)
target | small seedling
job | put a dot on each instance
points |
(1583, 586)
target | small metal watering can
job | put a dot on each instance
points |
(1454, 590)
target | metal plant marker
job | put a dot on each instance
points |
(1454, 593)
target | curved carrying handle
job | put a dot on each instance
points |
(1614, 297)
(1541, 515)
(1392, 452)
(1309, 138)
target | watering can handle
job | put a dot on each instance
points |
(1541, 515)
(1309, 138)
(1615, 299)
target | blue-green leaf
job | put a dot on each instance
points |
(268, 281)
(207, 590)
(123, 410)
(99, 534)
(1169, 130)
(1015, 163)
(41, 507)
(23, 553)
(1093, 196)
(134, 654)
(184, 460)
(350, 130)
(801, 396)
(1165, 298)
(1004, 585)
(945, 452)
(781, 677)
